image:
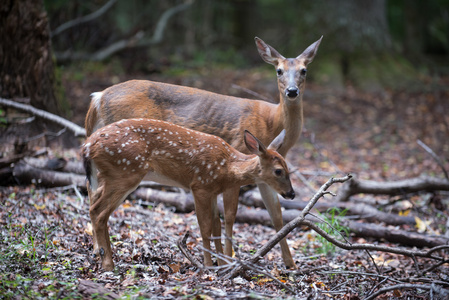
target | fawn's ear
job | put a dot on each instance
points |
(278, 141)
(253, 144)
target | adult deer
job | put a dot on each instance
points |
(224, 116)
(125, 151)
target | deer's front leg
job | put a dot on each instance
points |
(271, 201)
(205, 217)
(230, 203)
(216, 231)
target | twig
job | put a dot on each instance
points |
(291, 225)
(77, 130)
(87, 18)
(360, 274)
(182, 246)
(253, 93)
(397, 287)
(301, 177)
(47, 133)
(434, 156)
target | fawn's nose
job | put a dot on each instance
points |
(292, 92)
(289, 195)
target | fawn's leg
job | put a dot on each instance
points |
(205, 217)
(112, 196)
(216, 231)
(230, 203)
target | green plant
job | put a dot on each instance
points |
(332, 226)
(3, 120)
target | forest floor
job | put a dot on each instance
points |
(46, 241)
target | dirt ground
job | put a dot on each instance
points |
(46, 235)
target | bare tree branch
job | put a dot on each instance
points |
(434, 156)
(291, 225)
(88, 18)
(77, 130)
(138, 40)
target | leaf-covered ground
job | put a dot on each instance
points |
(46, 241)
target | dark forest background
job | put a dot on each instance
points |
(377, 42)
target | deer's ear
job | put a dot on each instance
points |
(253, 144)
(268, 53)
(310, 52)
(278, 141)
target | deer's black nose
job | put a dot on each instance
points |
(289, 195)
(292, 92)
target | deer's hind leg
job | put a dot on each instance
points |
(108, 197)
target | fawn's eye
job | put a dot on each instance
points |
(303, 71)
(279, 71)
(278, 172)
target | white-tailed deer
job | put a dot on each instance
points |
(220, 115)
(124, 152)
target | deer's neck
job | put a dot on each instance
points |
(245, 169)
(289, 115)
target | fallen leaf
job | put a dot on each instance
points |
(88, 229)
(421, 225)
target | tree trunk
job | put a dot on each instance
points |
(27, 74)
(26, 66)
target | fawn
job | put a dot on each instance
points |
(117, 157)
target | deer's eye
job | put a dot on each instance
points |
(278, 172)
(303, 71)
(279, 72)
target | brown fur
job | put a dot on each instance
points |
(224, 116)
(125, 151)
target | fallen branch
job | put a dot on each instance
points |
(56, 164)
(77, 130)
(183, 202)
(440, 292)
(397, 236)
(395, 250)
(92, 289)
(434, 156)
(183, 248)
(402, 237)
(364, 211)
(27, 174)
(401, 187)
(291, 225)
(301, 221)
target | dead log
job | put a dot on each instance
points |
(367, 212)
(183, 202)
(90, 289)
(402, 237)
(56, 164)
(26, 174)
(392, 188)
